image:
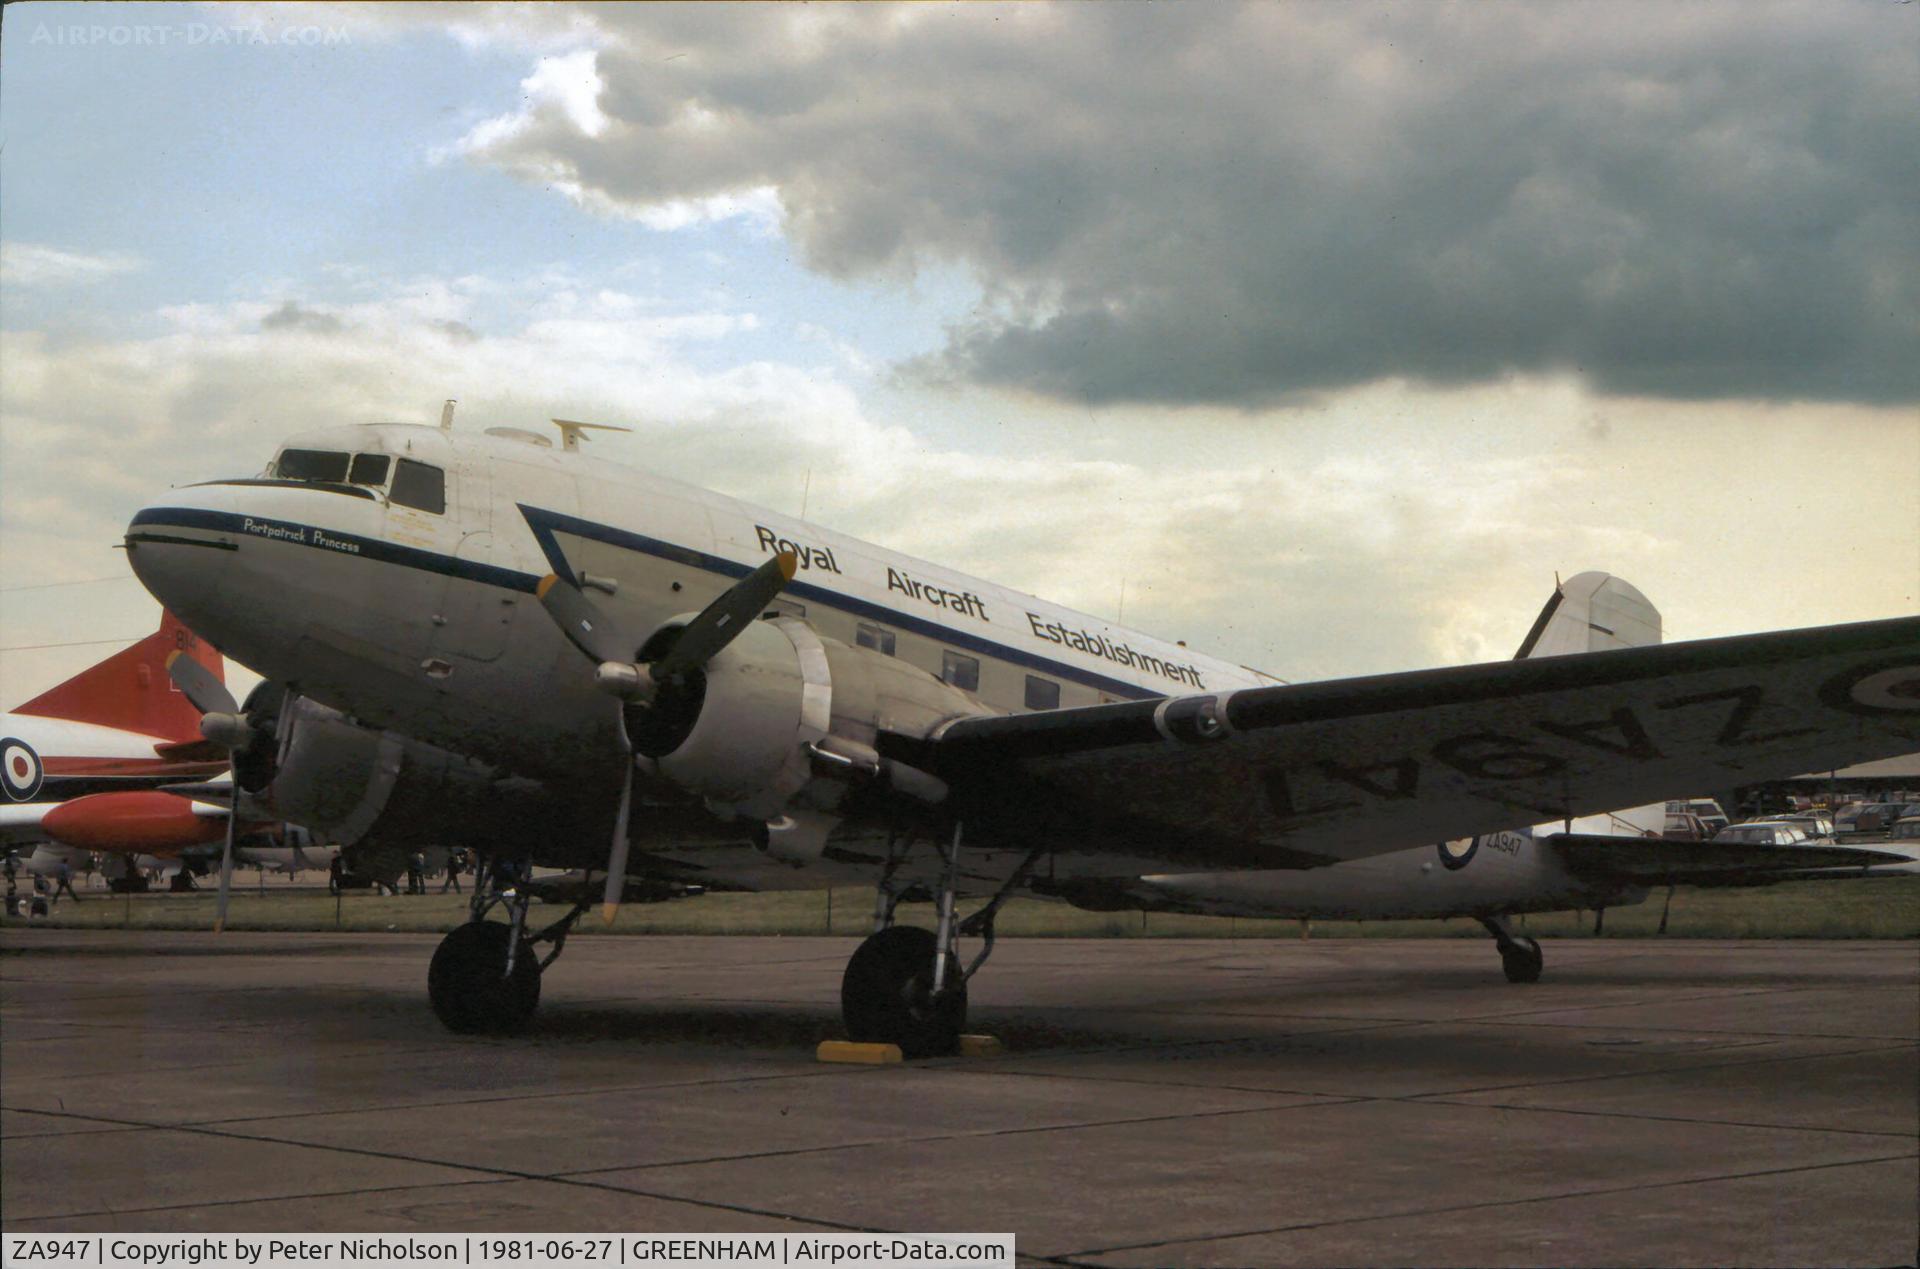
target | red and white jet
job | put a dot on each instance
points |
(81, 763)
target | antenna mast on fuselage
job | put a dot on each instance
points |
(572, 430)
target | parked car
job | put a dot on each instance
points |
(1905, 830)
(1877, 817)
(1685, 826)
(1706, 808)
(1764, 833)
(1817, 824)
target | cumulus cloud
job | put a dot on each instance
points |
(1303, 560)
(290, 316)
(510, 24)
(35, 264)
(1248, 206)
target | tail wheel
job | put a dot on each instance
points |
(1522, 960)
(470, 988)
(886, 995)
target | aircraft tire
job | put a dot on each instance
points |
(1522, 960)
(470, 992)
(886, 997)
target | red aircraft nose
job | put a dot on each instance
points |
(144, 821)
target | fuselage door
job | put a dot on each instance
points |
(476, 614)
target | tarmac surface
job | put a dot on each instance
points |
(1162, 1102)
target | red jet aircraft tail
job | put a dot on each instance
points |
(130, 689)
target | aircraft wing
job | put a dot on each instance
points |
(1664, 863)
(1304, 775)
(20, 822)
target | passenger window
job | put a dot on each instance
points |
(879, 638)
(369, 469)
(311, 464)
(420, 486)
(1042, 693)
(785, 608)
(961, 671)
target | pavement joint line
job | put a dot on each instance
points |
(1440, 1100)
(976, 1135)
(1765, 1035)
(1446, 1097)
(594, 1091)
(1503, 1015)
(72, 1132)
(214, 1066)
(1660, 1000)
(268, 1198)
(1755, 1060)
(487, 1173)
(1073, 1258)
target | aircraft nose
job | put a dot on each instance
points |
(181, 548)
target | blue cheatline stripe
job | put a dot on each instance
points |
(545, 524)
(363, 548)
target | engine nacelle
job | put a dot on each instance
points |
(347, 783)
(332, 775)
(761, 699)
(741, 734)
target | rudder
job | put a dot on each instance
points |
(1591, 612)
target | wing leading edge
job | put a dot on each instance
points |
(1308, 774)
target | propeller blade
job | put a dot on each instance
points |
(617, 857)
(585, 626)
(206, 693)
(723, 619)
(226, 872)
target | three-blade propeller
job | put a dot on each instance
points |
(617, 672)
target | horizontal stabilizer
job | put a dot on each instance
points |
(1649, 862)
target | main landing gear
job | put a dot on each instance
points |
(1521, 957)
(905, 985)
(485, 976)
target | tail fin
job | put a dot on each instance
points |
(131, 690)
(1591, 612)
(1597, 612)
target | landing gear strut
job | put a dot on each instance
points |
(907, 986)
(485, 975)
(1521, 957)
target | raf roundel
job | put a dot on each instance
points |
(1455, 854)
(1878, 688)
(20, 769)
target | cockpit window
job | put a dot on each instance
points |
(369, 469)
(311, 464)
(421, 486)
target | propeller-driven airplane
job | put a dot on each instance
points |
(80, 762)
(485, 641)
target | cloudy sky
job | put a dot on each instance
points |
(1320, 336)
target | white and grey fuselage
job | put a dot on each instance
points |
(386, 573)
